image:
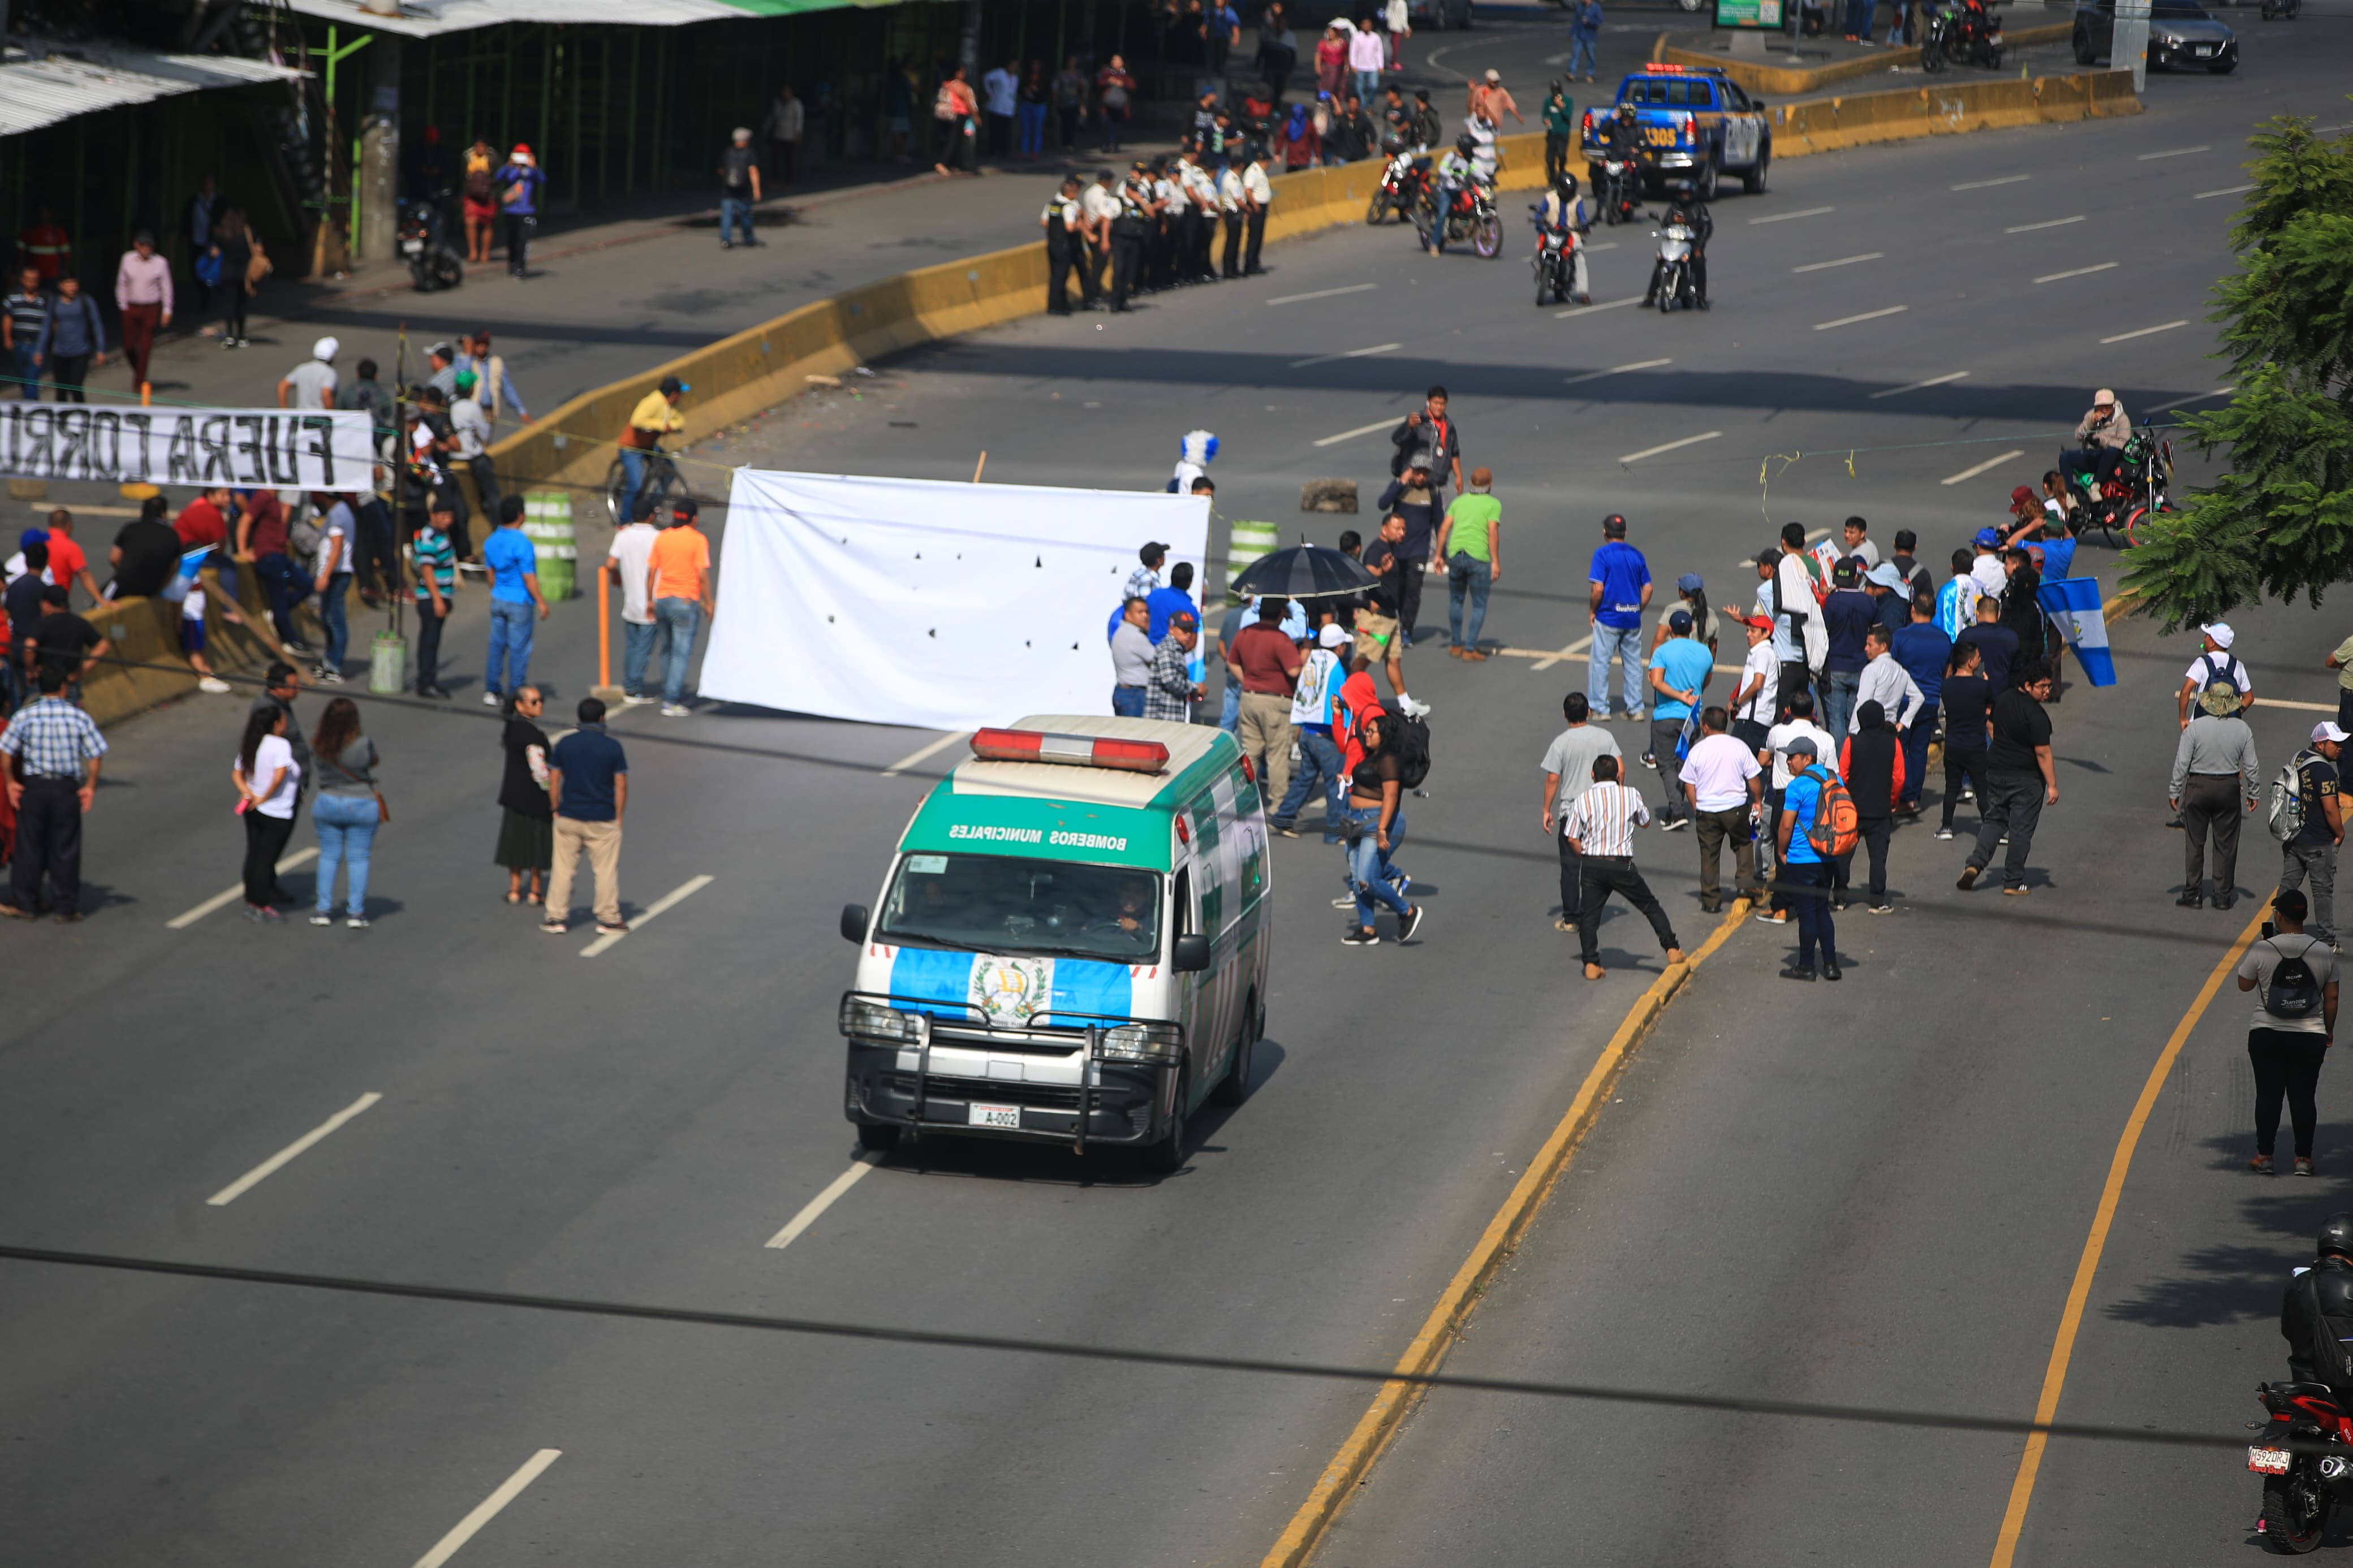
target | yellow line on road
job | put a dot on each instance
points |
(1437, 1336)
(2062, 1348)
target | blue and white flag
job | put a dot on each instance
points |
(2075, 604)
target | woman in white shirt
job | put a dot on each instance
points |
(268, 780)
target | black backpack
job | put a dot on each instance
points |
(2293, 991)
(1411, 743)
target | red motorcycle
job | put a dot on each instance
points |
(2301, 1482)
(1404, 188)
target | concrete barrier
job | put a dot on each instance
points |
(142, 666)
(1824, 125)
(1789, 81)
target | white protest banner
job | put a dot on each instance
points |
(277, 448)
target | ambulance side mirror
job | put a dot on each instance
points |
(854, 921)
(1191, 954)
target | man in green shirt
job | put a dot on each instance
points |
(1560, 131)
(1470, 543)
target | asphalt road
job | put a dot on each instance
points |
(1875, 1194)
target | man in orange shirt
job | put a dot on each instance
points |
(678, 585)
(67, 564)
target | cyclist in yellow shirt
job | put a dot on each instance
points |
(656, 414)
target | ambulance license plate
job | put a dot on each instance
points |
(2267, 1461)
(1005, 1115)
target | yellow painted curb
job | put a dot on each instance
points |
(1444, 1323)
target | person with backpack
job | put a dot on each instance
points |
(1375, 819)
(1817, 825)
(2213, 767)
(1599, 827)
(2294, 977)
(2307, 816)
(1871, 760)
(2215, 662)
(2021, 780)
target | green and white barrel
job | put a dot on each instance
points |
(547, 523)
(1248, 542)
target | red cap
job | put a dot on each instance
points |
(2022, 493)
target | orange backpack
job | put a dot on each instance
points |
(1836, 825)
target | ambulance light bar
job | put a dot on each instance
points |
(1080, 751)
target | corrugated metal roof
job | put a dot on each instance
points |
(425, 18)
(42, 83)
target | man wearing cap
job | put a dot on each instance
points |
(655, 416)
(1170, 694)
(311, 384)
(1312, 704)
(1679, 670)
(470, 441)
(2213, 663)
(1804, 871)
(2313, 851)
(1957, 601)
(1891, 603)
(739, 187)
(2100, 437)
(2213, 768)
(1488, 97)
(518, 183)
(1755, 699)
(1848, 613)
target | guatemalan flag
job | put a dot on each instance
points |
(2075, 604)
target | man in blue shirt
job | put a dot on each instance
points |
(1847, 616)
(1803, 868)
(1165, 602)
(1679, 672)
(589, 783)
(1924, 651)
(1621, 591)
(513, 566)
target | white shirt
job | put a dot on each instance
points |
(1761, 661)
(273, 753)
(1777, 738)
(1718, 769)
(1400, 19)
(470, 425)
(1867, 553)
(1366, 51)
(1257, 185)
(338, 523)
(1987, 574)
(1099, 202)
(1229, 190)
(628, 556)
(2210, 667)
(997, 90)
(313, 385)
(1602, 820)
(1891, 685)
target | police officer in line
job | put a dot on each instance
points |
(1066, 240)
(1138, 215)
(1233, 205)
(1257, 195)
(1099, 201)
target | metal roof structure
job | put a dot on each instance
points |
(429, 18)
(42, 83)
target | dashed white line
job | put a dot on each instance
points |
(1589, 310)
(2186, 402)
(488, 1509)
(1783, 217)
(1841, 262)
(1615, 370)
(228, 895)
(1981, 467)
(1571, 651)
(2054, 222)
(1866, 316)
(2144, 333)
(1360, 430)
(2079, 272)
(2225, 191)
(916, 758)
(1988, 184)
(823, 1201)
(676, 895)
(1323, 293)
(1947, 379)
(1671, 445)
(1347, 353)
(2170, 153)
(255, 1178)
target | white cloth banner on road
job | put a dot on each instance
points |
(277, 448)
(929, 604)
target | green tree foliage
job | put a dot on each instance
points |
(2280, 522)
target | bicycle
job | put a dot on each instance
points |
(663, 483)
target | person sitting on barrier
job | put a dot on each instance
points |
(655, 416)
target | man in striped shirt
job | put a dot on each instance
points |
(1600, 825)
(435, 561)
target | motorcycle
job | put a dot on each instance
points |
(1554, 260)
(1966, 31)
(2141, 483)
(1404, 188)
(2280, 10)
(1675, 242)
(1617, 189)
(1470, 215)
(2301, 1486)
(423, 240)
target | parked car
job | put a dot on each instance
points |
(2182, 33)
(1697, 125)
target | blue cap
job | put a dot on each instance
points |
(1988, 538)
(32, 536)
(1689, 583)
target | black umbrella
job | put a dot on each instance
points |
(1303, 572)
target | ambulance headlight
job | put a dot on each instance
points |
(1157, 1044)
(865, 1020)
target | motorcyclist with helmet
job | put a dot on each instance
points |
(1622, 143)
(1688, 210)
(2316, 1313)
(1455, 173)
(1562, 207)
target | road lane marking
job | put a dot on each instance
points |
(2079, 272)
(2225, 191)
(2144, 331)
(915, 757)
(2054, 222)
(255, 1178)
(1944, 380)
(824, 1201)
(677, 895)
(1615, 370)
(2170, 153)
(1981, 467)
(1349, 353)
(1359, 430)
(1393, 1401)
(1323, 293)
(1671, 445)
(1986, 185)
(488, 1509)
(1574, 650)
(1783, 217)
(1841, 262)
(2186, 402)
(1866, 316)
(2063, 1347)
(222, 900)
(1589, 310)
(1576, 653)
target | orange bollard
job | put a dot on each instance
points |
(144, 392)
(605, 691)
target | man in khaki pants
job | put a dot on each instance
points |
(588, 783)
(1269, 663)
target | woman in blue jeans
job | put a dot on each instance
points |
(346, 812)
(1374, 793)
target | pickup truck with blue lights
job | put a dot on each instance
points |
(1696, 123)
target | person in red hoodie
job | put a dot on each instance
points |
(1871, 760)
